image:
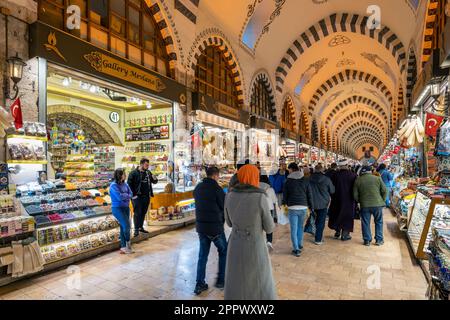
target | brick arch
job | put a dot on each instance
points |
(323, 136)
(303, 124)
(412, 72)
(358, 100)
(314, 131)
(166, 32)
(290, 105)
(100, 128)
(400, 108)
(362, 127)
(264, 77)
(348, 75)
(339, 22)
(362, 111)
(214, 37)
(432, 17)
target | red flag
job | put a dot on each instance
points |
(432, 124)
(16, 112)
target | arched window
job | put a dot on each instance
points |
(214, 77)
(124, 27)
(287, 117)
(303, 125)
(261, 103)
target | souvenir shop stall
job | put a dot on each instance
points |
(288, 146)
(315, 154)
(304, 151)
(330, 158)
(219, 138)
(264, 138)
(97, 112)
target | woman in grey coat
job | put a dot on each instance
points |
(248, 273)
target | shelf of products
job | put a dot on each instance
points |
(428, 213)
(149, 121)
(18, 136)
(12, 222)
(439, 264)
(104, 162)
(182, 212)
(146, 134)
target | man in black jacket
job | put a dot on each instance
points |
(210, 219)
(140, 181)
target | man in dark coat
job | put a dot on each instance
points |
(343, 205)
(140, 181)
(210, 219)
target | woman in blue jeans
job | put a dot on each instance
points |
(121, 195)
(297, 196)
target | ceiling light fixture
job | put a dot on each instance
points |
(65, 82)
(149, 105)
(93, 89)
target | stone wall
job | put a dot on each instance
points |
(18, 15)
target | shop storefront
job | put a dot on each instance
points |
(289, 146)
(264, 138)
(219, 136)
(97, 112)
(304, 151)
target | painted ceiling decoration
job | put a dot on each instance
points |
(339, 40)
(345, 63)
(380, 63)
(306, 77)
(339, 23)
(261, 14)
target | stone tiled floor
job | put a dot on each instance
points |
(164, 268)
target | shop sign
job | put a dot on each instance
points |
(114, 117)
(205, 103)
(67, 50)
(262, 123)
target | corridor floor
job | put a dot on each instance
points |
(164, 268)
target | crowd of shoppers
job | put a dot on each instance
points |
(251, 208)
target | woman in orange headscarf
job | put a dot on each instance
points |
(249, 271)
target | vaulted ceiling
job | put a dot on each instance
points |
(345, 73)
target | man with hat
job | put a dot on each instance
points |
(343, 205)
(371, 192)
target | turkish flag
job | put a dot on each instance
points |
(432, 124)
(16, 112)
(396, 150)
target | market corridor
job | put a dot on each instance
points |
(164, 268)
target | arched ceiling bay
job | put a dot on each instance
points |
(325, 53)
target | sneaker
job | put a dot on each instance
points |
(126, 250)
(379, 243)
(136, 233)
(270, 247)
(220, 284)
(143, 231)
(337, 235)
(346, 238)
(200, 287)
(367, 243)
(319, 243)
(297, 253)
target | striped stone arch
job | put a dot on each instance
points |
(329, 140)
(358, 143)
(166, 33)
(400, 109)
(339, 22)
(362, 112)
(323, 136)
(220, 42)
(303, 124)
(289, 106)
(357, 115)
(355, 100)
(411, 77)
(264, 77)
(314, 131)
(355, 136)
(360, 127)
(348, 75)
(431, 19)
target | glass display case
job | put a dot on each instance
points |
(428, 213)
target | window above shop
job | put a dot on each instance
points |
(214, 77)
(124, 27)
(287, 116)
(261, 103)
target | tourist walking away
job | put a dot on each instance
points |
(277, 181)
(248, 273)
(343, 205)
(121, 195)
(234, 179)
(140, 181)
(210, 220)
(272, 201)
(322, 188)
(332, 171)
(388, 179)
(298, 198)
(370, 191)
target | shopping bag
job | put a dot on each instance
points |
(283, 216)
(310, 226)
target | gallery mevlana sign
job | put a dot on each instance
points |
(67, 50)
(109, 65)
(205, 103)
